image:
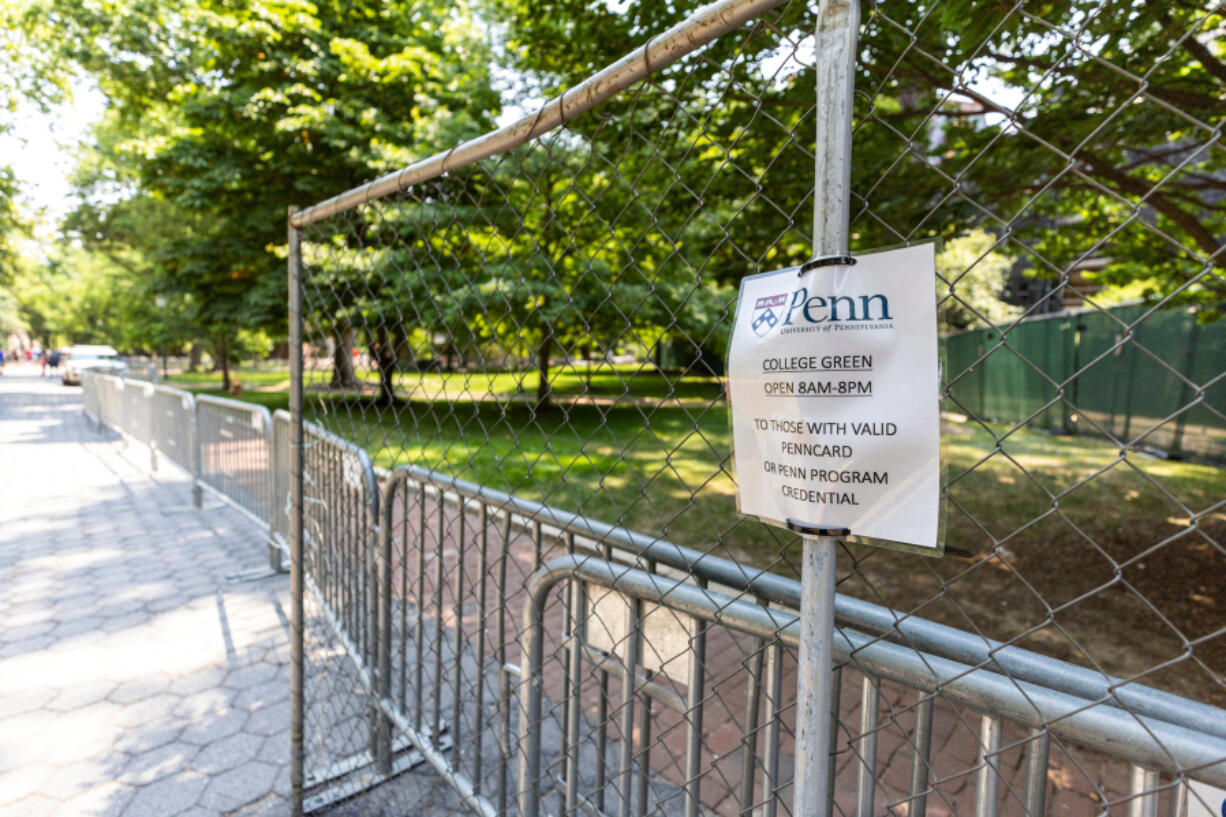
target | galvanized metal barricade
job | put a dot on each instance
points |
(138, 416)
(339, 570)
(91, 399)
(110, 399)
(142, 369)
(226, 445)
(1063, 703)
(235, 440)
(496, 637)
(174, 426)
(517, 694)
(234, 451)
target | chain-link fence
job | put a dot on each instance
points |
(560, 609)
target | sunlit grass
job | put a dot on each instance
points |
(604, 380)
(604, 459)
(1063, 542)
(212, 380)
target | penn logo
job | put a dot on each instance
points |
(801, 308)
(764, 315)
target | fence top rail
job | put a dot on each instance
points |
(1063, 314)
(171, 391)
(1153, 742)
(237, 405)
(880, 621)
(706, 24)
(759, 582)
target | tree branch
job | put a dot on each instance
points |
(1189, 223)
(1199, 52)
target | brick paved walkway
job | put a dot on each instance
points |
(133, 679)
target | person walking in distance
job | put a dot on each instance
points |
(53, 362)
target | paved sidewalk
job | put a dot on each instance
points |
(133, 680)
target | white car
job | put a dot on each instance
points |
(102, 359)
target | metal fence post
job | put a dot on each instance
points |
(197, 489)
(1187, 394)
(295, 518)
(125, 422)
(151, 399)
(274, 552)
(838, 24)
(1143, 786)
(381, 727)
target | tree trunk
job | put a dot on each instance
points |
(196, 354)
(381, 352)
(542, 369)
(223, 358)
(342, 357)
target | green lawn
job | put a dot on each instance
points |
(250, 378)
(1094, 550)
(605, 380)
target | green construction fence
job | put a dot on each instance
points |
(1152, 379)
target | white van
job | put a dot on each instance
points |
(101, 359)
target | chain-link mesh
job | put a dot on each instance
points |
(531, 348)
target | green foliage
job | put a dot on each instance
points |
(537, 257)
(11, 321)
(31, 77)
(28, 72)
(644, 213)
(79, 297)
(1138, 97)
(972, 272)
(11, 224)
(223, 113)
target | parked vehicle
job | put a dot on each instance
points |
(101, 359)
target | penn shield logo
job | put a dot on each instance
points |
(764, 317)
(799, 308)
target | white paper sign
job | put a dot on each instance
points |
(833, 380)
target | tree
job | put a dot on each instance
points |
(31, 77)
(241, 108)
(1112, 151)
(75, 296)
(531, 255)
(972, 275)
(138, 233)
(11, 321)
